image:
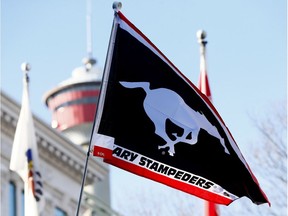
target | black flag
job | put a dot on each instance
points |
(152, 121)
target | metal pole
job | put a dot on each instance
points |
(83, 181)
(25, 67)
(88, 64)
(89, 28)
(112, 37)
(201, 36)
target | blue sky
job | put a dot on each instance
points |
(246, 51)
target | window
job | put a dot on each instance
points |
(12, 199)
(60, 212)
(22, 203)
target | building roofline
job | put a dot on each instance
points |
(54, 143)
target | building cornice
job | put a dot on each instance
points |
(53, 147)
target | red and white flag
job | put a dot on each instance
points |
(203, 85)
(24, 158)
(152, 121)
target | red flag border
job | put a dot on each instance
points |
(161, 178)
(122, 164)
(203, 96)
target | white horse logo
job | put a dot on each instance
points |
(162, 104)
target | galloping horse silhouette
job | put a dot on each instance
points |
(162, 104)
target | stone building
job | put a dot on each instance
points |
(61, 159)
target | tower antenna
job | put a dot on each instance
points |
(89, 61)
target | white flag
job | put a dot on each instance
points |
(24, 157)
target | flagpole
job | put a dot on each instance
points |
(116, 7)
(24, 152)
(210, 207)
(201, 35)
(203, 84)
(89, 61)
(25, 67)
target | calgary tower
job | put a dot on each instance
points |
(73, 102)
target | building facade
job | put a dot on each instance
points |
(62, 165)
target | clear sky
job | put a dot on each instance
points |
(246, 51)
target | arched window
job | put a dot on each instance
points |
(60, 212)
(22, 202)
(12, 199)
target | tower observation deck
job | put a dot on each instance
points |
(73, 102)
